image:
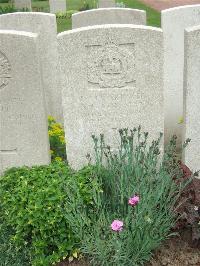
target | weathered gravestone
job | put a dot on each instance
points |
(112, 78)
(22, 4)
(106, 3)
(57, 6)
(108, 16)
(45, 25)
(23, 125)
(192, 98)
(174, 21)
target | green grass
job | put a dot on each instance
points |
(153, 17)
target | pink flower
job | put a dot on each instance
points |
(117, 225)
(134, 200)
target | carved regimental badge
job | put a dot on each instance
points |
(5, 71)
(111, 65)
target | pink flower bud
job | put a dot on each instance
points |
(134, 200)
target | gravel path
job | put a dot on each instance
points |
(164, 4)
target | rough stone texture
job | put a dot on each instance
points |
(174, 21)
(57, 6)
(115, 80)
(23, 124)
(45, 25)
(20, 4)
(108, 16)
(192, 98)
(106, 3)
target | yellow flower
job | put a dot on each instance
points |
(58, 159)
(51, 118)
(51, 133)
(62, 139)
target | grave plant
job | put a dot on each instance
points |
(134, 210)
(32, 204)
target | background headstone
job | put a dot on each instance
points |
(108, 16)
(57, 6)
(23, 121)
(22, 4)
(192, 98)
(174, 21)
(106, 3)
(45, 25)
(112, 78)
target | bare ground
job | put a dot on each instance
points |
(164, 4)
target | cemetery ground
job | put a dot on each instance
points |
(116, 211)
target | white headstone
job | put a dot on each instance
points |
(22, 4)
(174, 21)
(108, 16)
(106, 3)
(45, 25)
(112, 78)
(23, 121)
(57, 6)
(192, 98)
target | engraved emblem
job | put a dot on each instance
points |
(110, 65)
(5, 71)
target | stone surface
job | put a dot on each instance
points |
(23, 121)
(45, 25)
(115, 80)
(22, 4)
(106, 3)
(174, 21)
(57, 6)
(108, 16)
(192, 98)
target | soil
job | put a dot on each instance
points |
(164, 4)
(174, 252)
(177, 252)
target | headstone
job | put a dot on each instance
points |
(108, 16)
(106, 3)
(174, 21)
(192, 98)
(57, 6)
(44, 25)
(23, 125)
(112, 78)
(22, 4)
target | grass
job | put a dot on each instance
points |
(153, 16)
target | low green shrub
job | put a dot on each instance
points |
(32, 201)
(9, 253)
(4, 1)
(7, 9)
(134, 209)
(68, 14)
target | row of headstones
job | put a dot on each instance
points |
(55, 5)
(111, 77)
(59, 5)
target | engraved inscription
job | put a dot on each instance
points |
(5, 71)
(8, 151)
(110, 65)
